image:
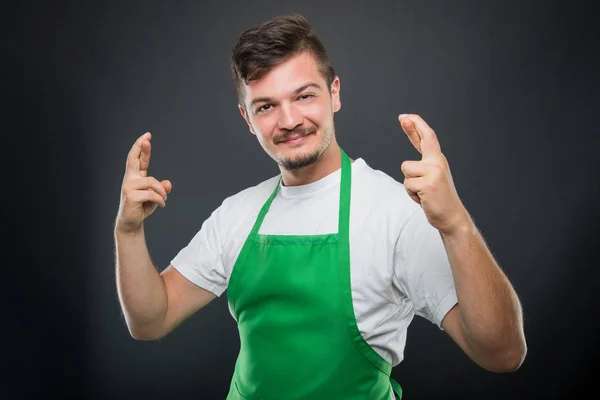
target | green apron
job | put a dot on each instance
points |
(292, 300)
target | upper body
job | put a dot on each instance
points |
(398, 263)
(429, 257)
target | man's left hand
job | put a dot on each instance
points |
(429, 182)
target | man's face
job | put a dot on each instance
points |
(290, 110)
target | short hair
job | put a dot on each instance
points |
(261, 48)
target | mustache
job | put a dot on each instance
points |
(296, 131)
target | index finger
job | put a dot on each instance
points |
(133, 157)
(428, 142)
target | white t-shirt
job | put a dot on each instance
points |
(398, 263)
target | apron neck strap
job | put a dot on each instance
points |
(345, 189)
(344, 209)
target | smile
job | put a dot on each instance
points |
(295, 139)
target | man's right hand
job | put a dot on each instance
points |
(140, 193)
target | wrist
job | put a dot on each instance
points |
(461, 225)
(121, 230)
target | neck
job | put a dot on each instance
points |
(329, 162)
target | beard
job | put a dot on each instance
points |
(304, 160)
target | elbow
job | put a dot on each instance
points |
(144, 332)
(509, 360)
(507, 364)
(517, 359)
(143, 336)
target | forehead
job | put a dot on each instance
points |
(284, 78)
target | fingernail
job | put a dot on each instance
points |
(403, 115)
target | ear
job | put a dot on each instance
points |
(335, 94)
(245, 116)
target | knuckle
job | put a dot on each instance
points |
(150, 181)
(132, 184)
(444, 161)
(126, 192)
(128, 198)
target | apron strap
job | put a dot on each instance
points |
(397, 389)
(263, 211)
(344, 207)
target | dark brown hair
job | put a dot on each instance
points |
(261, 48)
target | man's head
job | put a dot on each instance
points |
(286, 90)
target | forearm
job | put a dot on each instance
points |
(490, 311)
(141, 289)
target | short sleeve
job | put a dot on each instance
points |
(201, 261)
(422, 269)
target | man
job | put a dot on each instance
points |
(325, 265)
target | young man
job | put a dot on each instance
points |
(326, 264)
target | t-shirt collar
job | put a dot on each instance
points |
(324, 183)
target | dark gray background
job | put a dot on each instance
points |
(511, 89)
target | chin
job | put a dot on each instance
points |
(299, 161)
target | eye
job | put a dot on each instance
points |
(263, 108)
(305, 96)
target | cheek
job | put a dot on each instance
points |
(264, 127)
(317, 114)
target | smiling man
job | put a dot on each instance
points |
(326, 264)
(290, 110)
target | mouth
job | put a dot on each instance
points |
(295, 139)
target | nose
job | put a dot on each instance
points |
(289, 117)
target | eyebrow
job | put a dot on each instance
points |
(300, 89)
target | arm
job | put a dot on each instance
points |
(487, 322)
(153, 304)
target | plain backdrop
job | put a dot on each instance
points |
(511, 89)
